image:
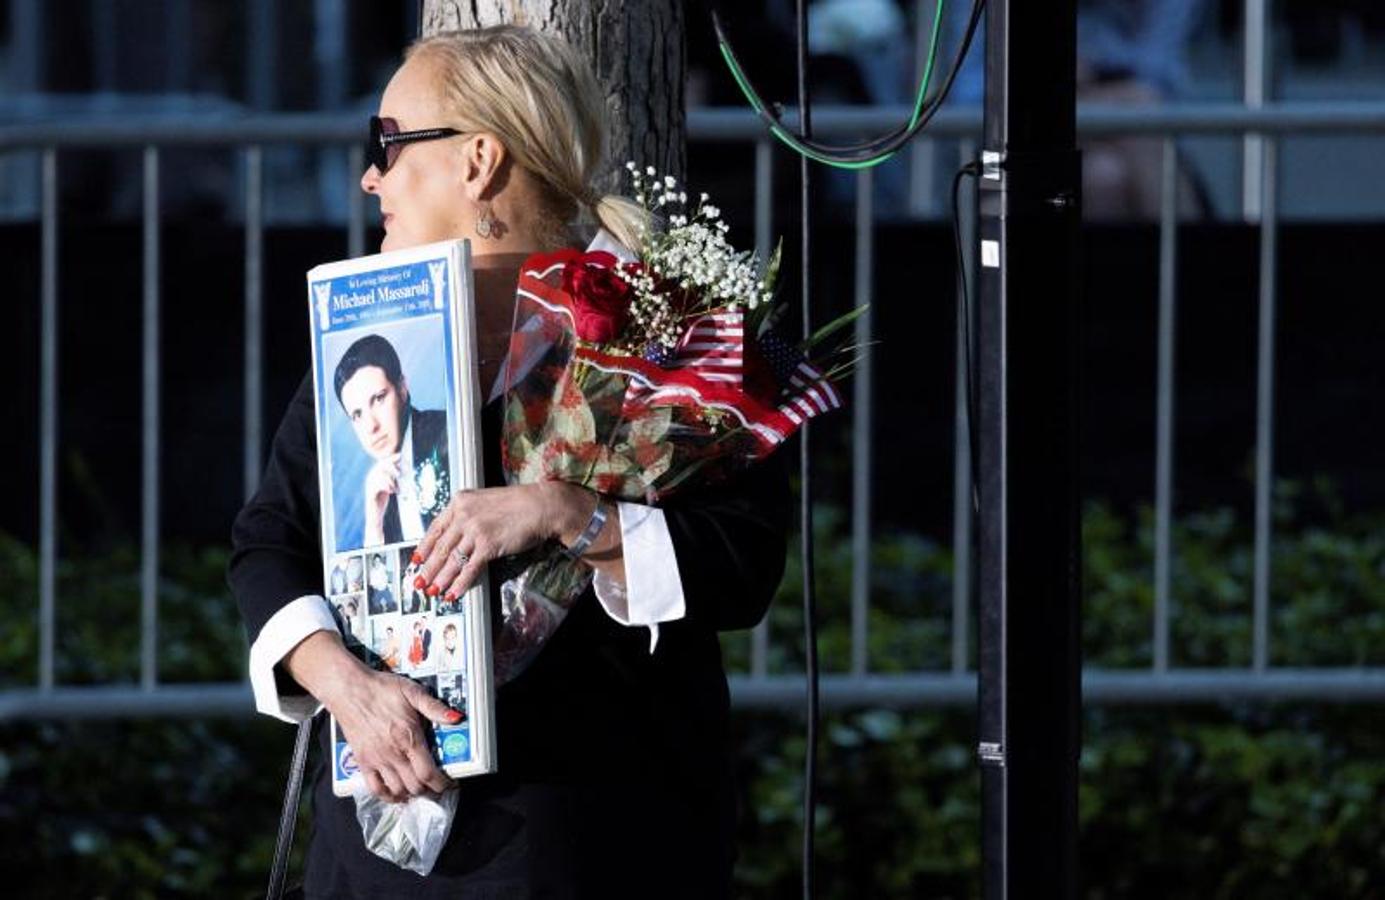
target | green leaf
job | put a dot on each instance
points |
(834, 326)
(756, 319)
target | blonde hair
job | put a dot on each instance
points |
(541, 99)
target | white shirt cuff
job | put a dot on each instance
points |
(284, 631)
(653, 590)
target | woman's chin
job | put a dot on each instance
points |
(397, 241)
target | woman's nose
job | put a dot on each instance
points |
(370, 179)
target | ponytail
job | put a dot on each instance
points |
(540, 97)
(626, 220)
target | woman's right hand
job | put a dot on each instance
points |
(381, 483)
(380, 714)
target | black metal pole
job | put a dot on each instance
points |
(805, 463)
(1030, 691)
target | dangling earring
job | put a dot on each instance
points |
(485, 221)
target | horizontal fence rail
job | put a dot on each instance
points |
(1160, 683)
(779, 692)
(717, 124)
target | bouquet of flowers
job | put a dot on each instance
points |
(638, 375)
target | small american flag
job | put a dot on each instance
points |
(711, 349)
(810, 394)
(806, 392)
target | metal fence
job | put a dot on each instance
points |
(1261, 127)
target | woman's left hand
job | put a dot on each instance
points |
(489, 523)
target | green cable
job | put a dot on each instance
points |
(928, 64)
(796, 145)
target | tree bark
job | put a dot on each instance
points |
(637, 50)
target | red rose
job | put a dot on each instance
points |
(600, 299)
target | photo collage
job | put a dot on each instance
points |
(396, 627)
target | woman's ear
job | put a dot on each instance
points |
(483, 157)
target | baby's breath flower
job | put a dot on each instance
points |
(687, 255)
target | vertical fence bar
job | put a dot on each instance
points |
(27, 51)
(48, 424)
(254, 318)
(262, 54)
(922, 151)
(1255, 92)
(355, 203)
(764, 209)
(330, 24)
(764, 196)
(864, 415)
(178, 59)
(961, 448)
(149, 557)
(1264, 410)
(1163, 476)
(922, 154)
(103, 31)
(253, 412)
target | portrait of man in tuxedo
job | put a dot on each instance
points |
(405, 487)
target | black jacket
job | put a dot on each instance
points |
(614, 775)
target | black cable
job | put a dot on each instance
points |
(868, 152)
(972, 169)
(810, 629)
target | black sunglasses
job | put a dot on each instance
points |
(386, 141)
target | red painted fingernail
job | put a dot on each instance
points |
(433, 590)
(454, 716)
(450, 596)
(419, 582)
(416, 558)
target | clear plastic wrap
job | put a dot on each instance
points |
(620, 425)
(532, 606)
(626, 427)
(409, 834)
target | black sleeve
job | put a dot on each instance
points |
(728, 539)
(276, 554)
(730, 542)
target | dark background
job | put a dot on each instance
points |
(1249, 799)
(1329, 335)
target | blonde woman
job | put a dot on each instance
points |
(614, 745)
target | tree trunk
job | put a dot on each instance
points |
(636, 48)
